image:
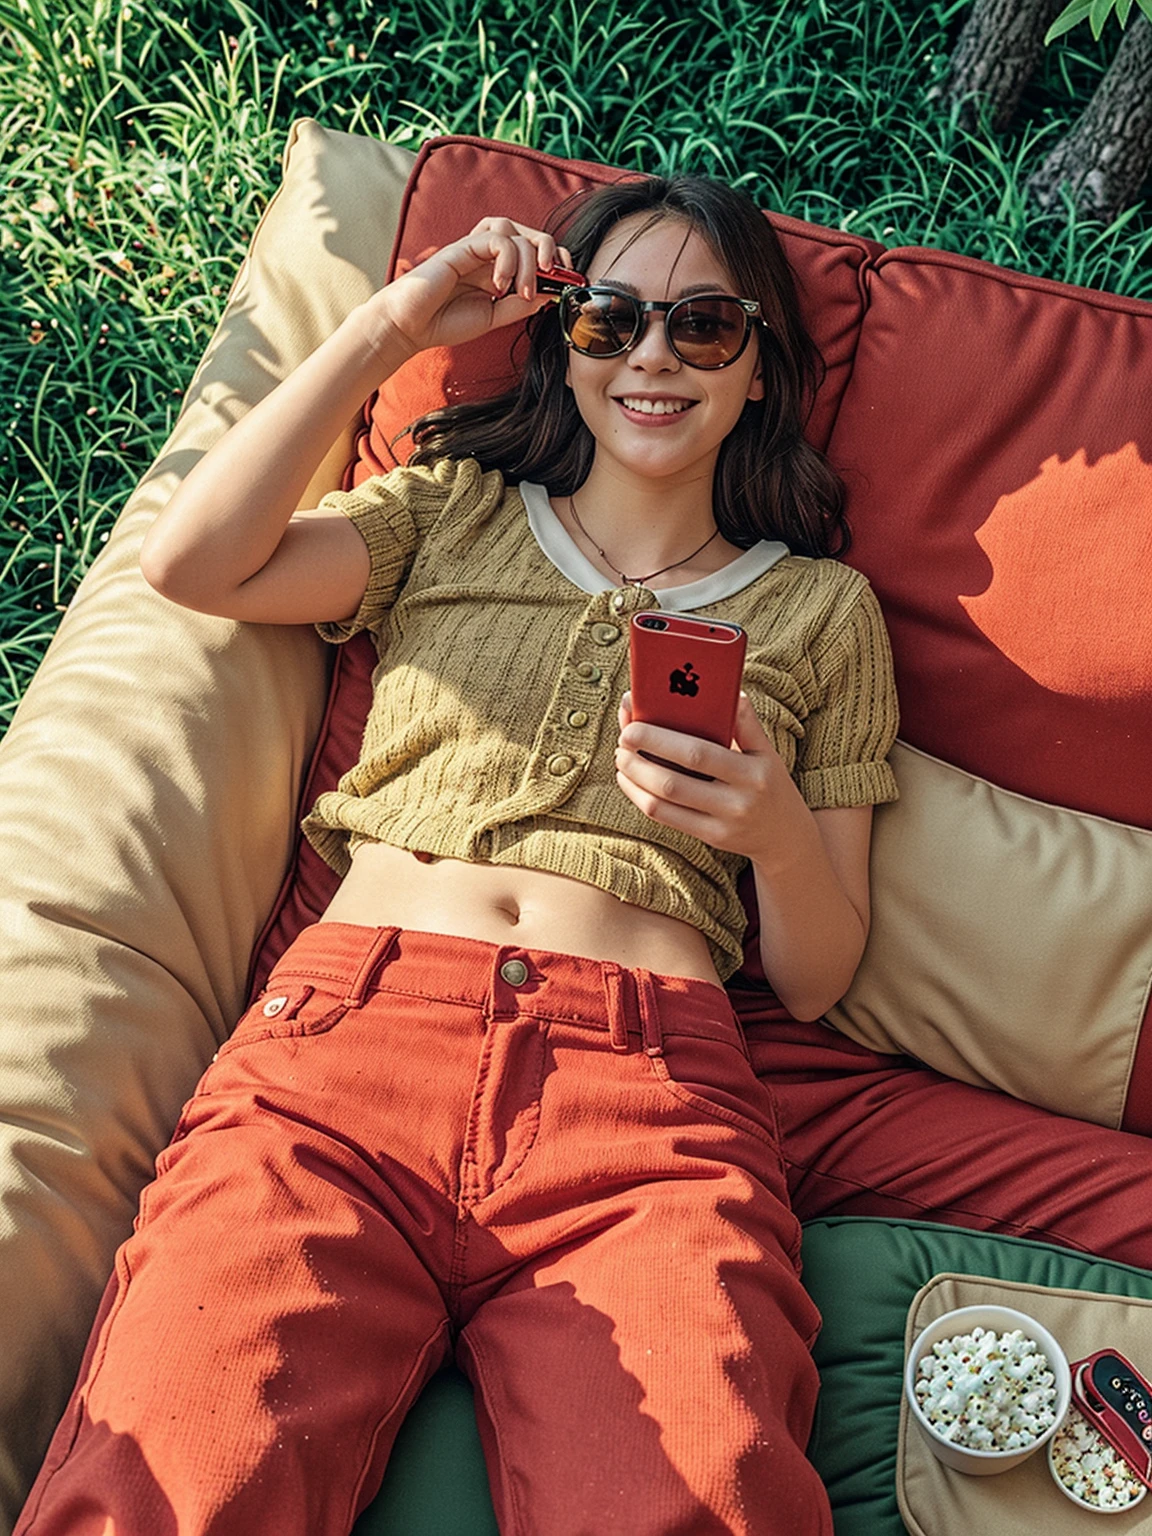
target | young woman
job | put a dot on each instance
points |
(495, 1105)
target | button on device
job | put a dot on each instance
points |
(588, 672)
(577, 718)
(273, 1006)
(605, 634)
(514, 972)
(560, 764)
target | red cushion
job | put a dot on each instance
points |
(997, 437)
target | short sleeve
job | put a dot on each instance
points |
(387, 526)
(393, 513)
(842, 760)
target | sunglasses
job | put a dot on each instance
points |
(707, 330)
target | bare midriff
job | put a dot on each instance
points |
(391, 887)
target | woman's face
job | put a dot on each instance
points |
(652, 416)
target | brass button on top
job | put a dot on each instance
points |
(560, 764)
(618, 602)
(577, 718)
(514, 972)
(605, 634)
(588, 672)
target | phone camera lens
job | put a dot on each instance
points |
(650, 622)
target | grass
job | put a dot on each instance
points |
(139, 143)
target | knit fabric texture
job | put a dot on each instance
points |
(493, 726)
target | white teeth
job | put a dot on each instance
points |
(655, 407)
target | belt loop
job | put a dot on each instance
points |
(650, 1031)
(615, 1004)
(373, 961)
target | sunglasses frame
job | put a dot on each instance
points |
(667, 307)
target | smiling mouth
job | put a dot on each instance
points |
(648, 407)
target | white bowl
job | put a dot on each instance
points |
(1000, 1320)
(1096, 1509)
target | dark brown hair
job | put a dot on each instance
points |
(769, 483)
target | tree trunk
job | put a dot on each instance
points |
(1105, 156)
(995, 56)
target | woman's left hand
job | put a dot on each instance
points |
(732, 809)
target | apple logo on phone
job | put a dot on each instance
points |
(684, 680)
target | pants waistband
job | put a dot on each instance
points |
(635, 1007)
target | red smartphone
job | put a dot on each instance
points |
(686, 675)
(556, 279)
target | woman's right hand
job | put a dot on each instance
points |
(231, 542)
(472, 286)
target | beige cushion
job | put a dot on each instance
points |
(148, 801)
(1011, 941)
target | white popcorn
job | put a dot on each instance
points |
(1087, 1465)
(987, 1391)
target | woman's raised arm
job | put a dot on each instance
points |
(230, 541)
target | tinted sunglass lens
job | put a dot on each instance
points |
(599, 324)
(707, 333)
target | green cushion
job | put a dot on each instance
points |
(863, 1273)
(436, 1484)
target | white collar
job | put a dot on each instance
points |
(561, 549)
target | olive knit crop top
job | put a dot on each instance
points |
(493, 725)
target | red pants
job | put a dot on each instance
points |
(563, 1173)
(871, 1135)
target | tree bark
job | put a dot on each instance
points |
(995, 56)
(1105, 156)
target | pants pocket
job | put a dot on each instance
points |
(286, 1012)
(714, 1079)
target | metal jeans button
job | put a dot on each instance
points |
(514, 972)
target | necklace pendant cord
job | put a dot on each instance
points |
(636, 581)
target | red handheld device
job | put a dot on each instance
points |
(1113, 1396)
(556, 279)
(686, 675)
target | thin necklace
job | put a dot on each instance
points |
(636, 581)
